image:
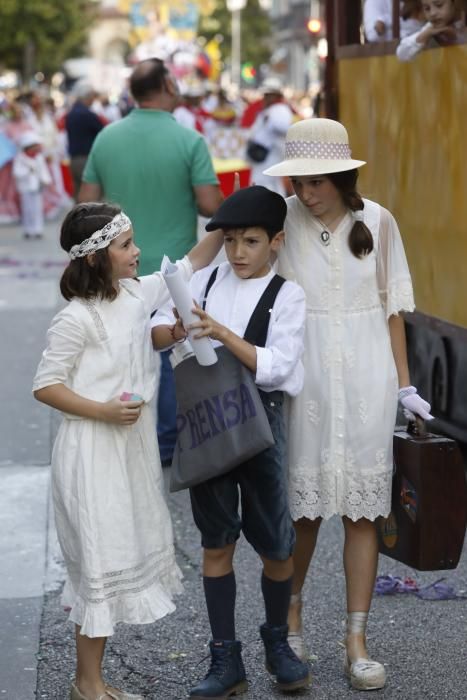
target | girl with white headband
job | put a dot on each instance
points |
(347, 254)
(112, 521)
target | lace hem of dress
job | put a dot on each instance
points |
(132, 601)
(399, 297)
(368, 497)
(132, 580)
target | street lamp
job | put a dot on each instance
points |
(236, 7)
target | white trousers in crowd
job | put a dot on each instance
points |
(32, 213)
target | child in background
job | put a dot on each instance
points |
(112, 521)
(252, 220)
(412, 17)
(445, 27)
(31, 176)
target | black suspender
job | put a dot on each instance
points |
(211, 281)
(257, 328)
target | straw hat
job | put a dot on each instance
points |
(315, 147)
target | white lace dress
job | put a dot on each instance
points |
(341, 425)
(112, 520)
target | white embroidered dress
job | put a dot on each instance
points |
(112, 521)
(341, 425)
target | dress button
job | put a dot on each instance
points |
(340, 435)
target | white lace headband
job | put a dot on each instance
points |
(102, 237)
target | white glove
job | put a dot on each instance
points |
(414, 404)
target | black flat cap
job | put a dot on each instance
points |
(251, 206)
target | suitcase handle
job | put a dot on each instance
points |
(416, 428)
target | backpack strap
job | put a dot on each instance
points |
(257, 329)
(211, 281)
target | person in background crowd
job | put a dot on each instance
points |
(377, 19)
(42, 122)
(182, 113)
(31, 176)
(13, 126)
(82, 126)
(224, 112)
(412, 17)
(162, 175)
(268, 132)
(252, 107)
(110, 110)
(445, 27)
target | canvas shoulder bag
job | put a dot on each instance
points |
(221, 420)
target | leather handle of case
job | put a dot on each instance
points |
(416, 428)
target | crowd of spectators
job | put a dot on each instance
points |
(423, 24)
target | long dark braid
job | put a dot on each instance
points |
(360, 239)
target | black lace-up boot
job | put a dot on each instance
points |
(226, 675)
(281, 662)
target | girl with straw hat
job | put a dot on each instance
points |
(347, 253)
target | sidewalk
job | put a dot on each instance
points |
(29, 272)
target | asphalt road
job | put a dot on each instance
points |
(422, 643)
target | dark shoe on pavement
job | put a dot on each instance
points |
(281, 661)
(226, 675)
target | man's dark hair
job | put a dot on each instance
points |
(148, 78)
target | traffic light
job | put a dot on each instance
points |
(314, 25)
(248, 72)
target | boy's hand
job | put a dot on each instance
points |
(207, 326)
(178, 331)
(121, 412)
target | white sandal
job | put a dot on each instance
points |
(295, 639)
(122, 695)
(365, 674)
(76, 694)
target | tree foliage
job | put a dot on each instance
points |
(255, 31)
(43, 33)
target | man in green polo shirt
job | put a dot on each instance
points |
(161, 174)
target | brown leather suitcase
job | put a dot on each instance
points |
(426, 526)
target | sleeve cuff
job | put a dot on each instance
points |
(399, 298)
(186, 267)
(263, 366)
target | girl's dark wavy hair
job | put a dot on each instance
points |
(81, 279)
(360, 239)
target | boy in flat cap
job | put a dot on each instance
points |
(252, 220)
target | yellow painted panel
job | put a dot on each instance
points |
(409, 122)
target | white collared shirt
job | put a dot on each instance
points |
(231, 302)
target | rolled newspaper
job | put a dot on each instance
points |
(180, 292)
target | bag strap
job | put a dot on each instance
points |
(257, 329)
(211, 281)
